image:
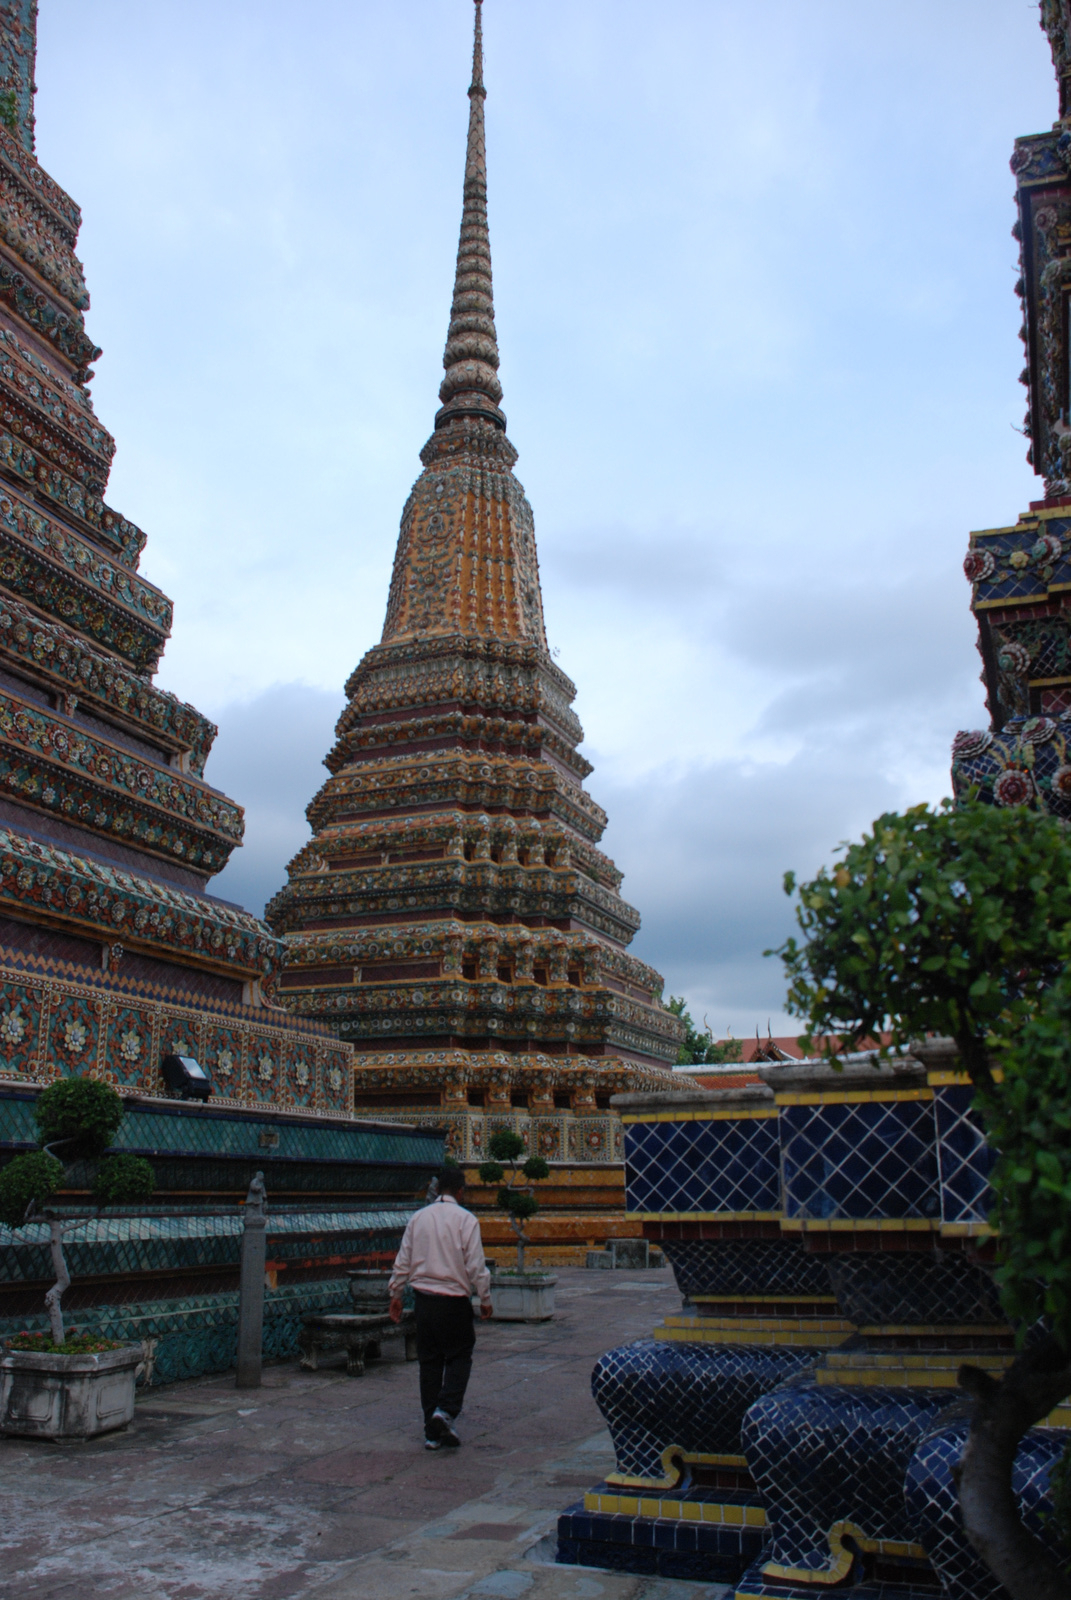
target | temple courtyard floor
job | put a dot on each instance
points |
(318, 1484)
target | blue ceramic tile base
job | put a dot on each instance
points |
(754, 1586)
(659, 1546)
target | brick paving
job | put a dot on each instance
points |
(318, 1484)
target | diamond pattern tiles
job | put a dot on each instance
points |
(933, 1504)
(745, 1267)
(941, 1287)
(826, 1456)
(859, 1160)
(655, 1394)
(729, 1164)
(965, 1158)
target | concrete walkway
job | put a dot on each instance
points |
(318, 1485)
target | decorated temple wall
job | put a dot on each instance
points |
(54, 1026)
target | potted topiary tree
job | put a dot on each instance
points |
(517, 1295)
(68, 1385)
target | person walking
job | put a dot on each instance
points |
(441, 1255)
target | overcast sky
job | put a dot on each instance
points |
(754, 290)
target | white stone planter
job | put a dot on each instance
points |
(523, 1299)
(45, 1396)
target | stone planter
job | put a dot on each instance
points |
(46, 1396)
(368, 1291)
(527, 1298)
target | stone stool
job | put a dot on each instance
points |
(360, 1336)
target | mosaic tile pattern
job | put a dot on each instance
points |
(933, 1505)
(654, 1394)
(196, 1335)
(964, 1158)
(745, 1266)
(114, 1245)
(917, 1288)
(717, 1165)
(192, 1131)
(694, 1550)
(875, 1159)
(824, 1455)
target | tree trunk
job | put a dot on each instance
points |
(63, 1279)
(1038, 1380)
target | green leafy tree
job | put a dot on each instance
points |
(957, 921)
(516, 1199)
(700, 1048)
(79, 1117)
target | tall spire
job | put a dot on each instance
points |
(471, 386)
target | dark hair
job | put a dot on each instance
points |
(451, 1179)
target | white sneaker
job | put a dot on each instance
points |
(441, 1429)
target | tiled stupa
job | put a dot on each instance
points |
(453, 915)
(1020, 575)
(112, 952)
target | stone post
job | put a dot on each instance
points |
(251, 1286)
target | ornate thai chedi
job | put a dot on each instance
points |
(111, 950)
(453, 914)
(1021, 575)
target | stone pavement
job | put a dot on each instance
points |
(318, 1485)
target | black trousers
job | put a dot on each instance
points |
(445, 1335)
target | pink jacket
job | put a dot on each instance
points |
(441, 1253)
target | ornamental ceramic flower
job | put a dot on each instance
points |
(1061, 782)
(334, 1078)
(1018, 559)
(1037, 730)
(265, 1069)
(225, 1063)
(130, 1046)
(301, 1073)
(13, 1027)
(74, 1037)
(1013, 658)
(965, 745)
(1047, 548)
(978, 564)
(1013, 788)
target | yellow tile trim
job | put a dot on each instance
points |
(727, 1515)
(861, 1224)
(849, 1097)
(734, 1114)
(966, 1230)
(765, 1324)
(939, 1080)
(807, 1340)
(846, 1379)
(1018, 600)
(674, 1461)
(1025, 526)
(1059, 1418)
(706, 1216)
(841, 1557)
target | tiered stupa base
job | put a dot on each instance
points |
(795, 1427)
(559, 1105)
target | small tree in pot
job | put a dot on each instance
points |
(78, 1118)
(517, 1199)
